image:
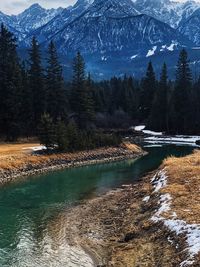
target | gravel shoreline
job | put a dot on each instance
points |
(65, 161)
(115, 229)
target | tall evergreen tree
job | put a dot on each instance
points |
(56, 99)
(159, 114)
(148, 88)
(180, 115)
(80, 94)
(26, 110)
(10, 85)
(47, 132)
(129, 97)
(89, 99)
(36, 83)
(195, 106)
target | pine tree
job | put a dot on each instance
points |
(46, 133)
(73, 136)
(180, 116)
(89, 97)
(159, 114)
(56, 99)
(26, 110)
(61, 136)
(36, 83)
(195, 100)
(82, 102)
(128, 97)
(148, 88)
(10, 86)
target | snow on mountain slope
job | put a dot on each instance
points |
(32, 18)
(56, 24)
(35, 17)
(110, 26)
(190, 28)
(109, 33)
(168, 11)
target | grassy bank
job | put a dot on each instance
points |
(18, 160)
(152, 223)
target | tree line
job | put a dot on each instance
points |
(35, 99)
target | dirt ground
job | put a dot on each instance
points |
(118, 231)
(16, 148)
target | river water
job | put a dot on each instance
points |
(28, 207)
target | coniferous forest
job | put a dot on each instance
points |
(35, 100)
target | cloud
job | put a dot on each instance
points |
(17, 6)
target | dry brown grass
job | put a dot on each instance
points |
(184, 186)
(132, 147)
(15, 149)
(20, 156)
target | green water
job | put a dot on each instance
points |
(27, 207)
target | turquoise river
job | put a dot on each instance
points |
(27, 207)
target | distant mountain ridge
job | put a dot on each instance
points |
(111, 31)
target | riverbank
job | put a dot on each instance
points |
(152, 223)
(20, 160)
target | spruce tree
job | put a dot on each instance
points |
(180, 115)
(36, 83)
(196, 107)
(26, 110)
(56, 99)
(82, 103)
(46, 131)
(10, 86)
(128, 97)
(148, 88)
(159, 114)
(61, 136)
(89, 99)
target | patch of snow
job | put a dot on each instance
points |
(151, 52)
(165, 201)
(146, 199)
(35, 148)
(159, 181)
(178, 139)
(191, 231)
(133, 57)
(172, 46)
(103, 58)
(154, 145)
(152, 132)
(139, 128)
(163, 48)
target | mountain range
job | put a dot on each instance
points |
(115, 36)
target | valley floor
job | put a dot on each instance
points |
(153, 223)
(20, 160)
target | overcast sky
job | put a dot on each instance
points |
(17, 6)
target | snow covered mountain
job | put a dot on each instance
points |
(32, 18)
(110, 33)
(190, 28)
(66, 16)
(168, 11)
(114, 26)
(35, 17)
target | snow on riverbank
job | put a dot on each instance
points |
(35, 148)
(177, 140)
(159, 138)
(191, 231)
(141, 128)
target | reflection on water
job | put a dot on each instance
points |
(27, 237)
